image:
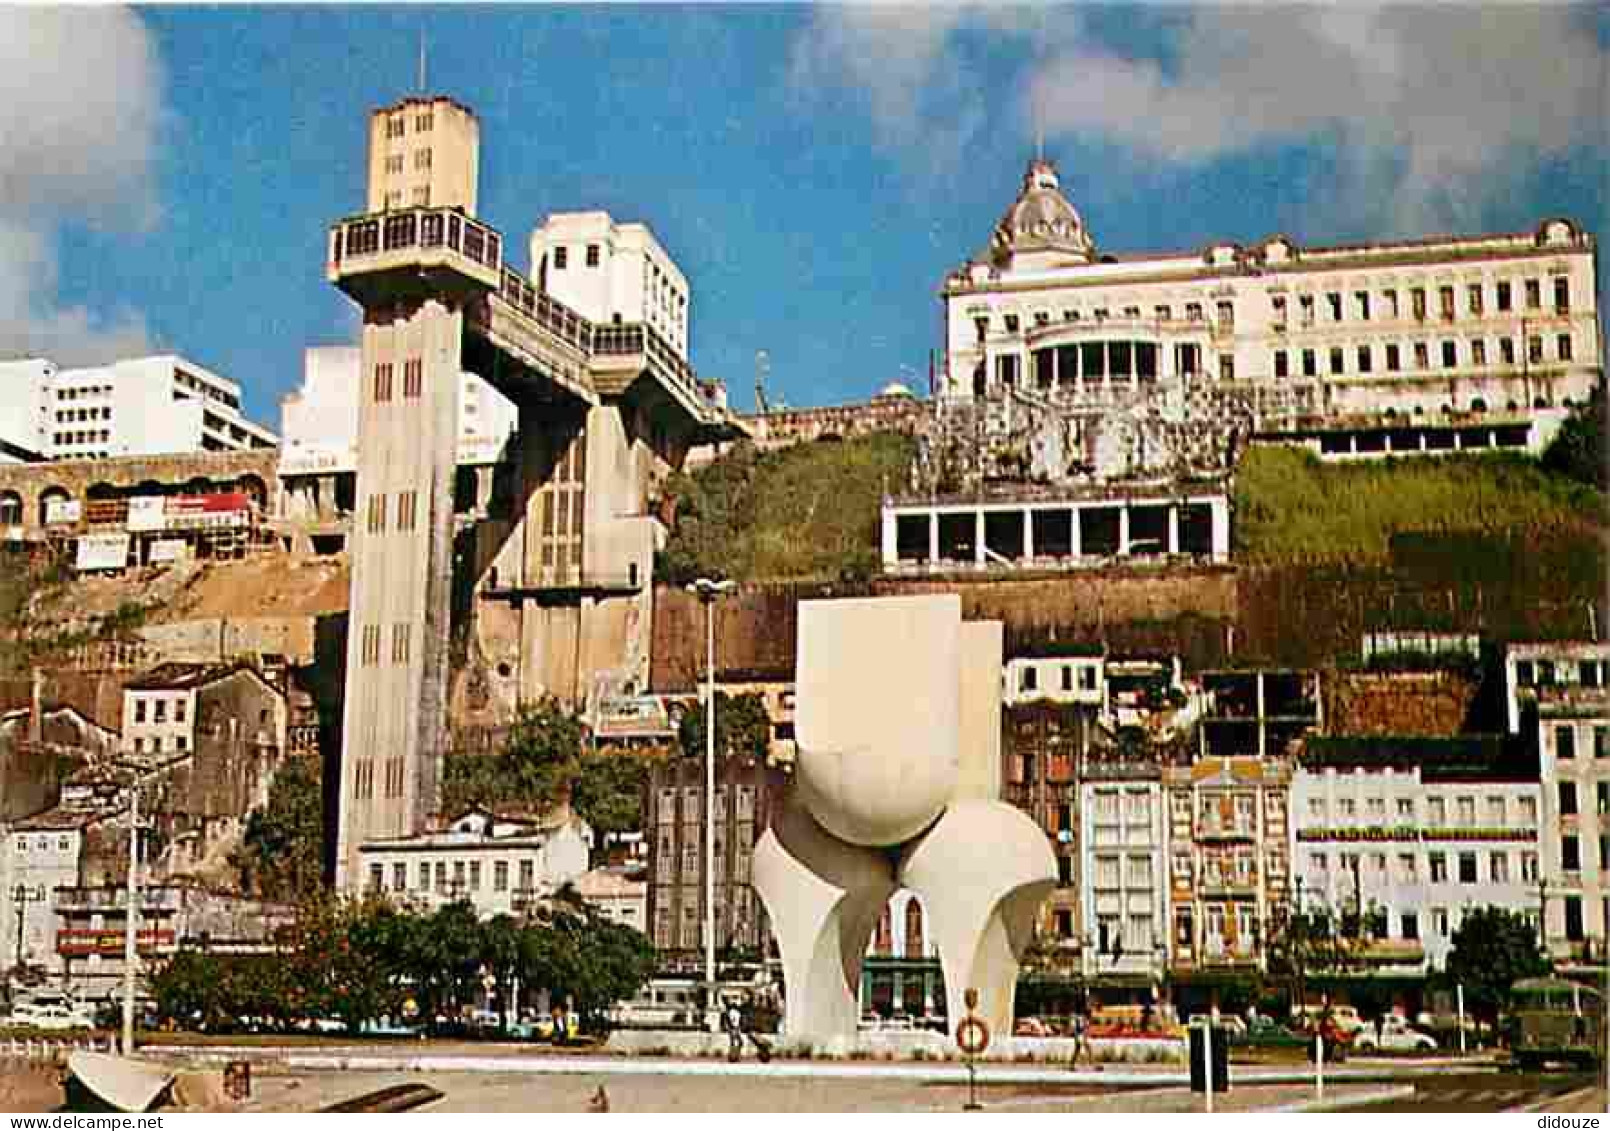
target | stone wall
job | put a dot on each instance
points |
(1432, 704)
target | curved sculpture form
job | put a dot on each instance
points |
(824, 897)
(981, 902)
(878, 714)
(898, 720)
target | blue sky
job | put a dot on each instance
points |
(167, 174)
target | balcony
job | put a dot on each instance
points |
(79, 942)
(413, 253)
(1219, 831)
(70, 900)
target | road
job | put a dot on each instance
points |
(1492, 1092)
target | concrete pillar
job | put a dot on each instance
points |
(1074, 548)
(978, 536)
(891, 545)
(1174, 529)
(483, 487)
(1028, 534)
(933, 537)
(1123, 530)
(397, 637)
(897, 996)
(1221, 529)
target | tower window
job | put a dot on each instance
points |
(561, 258)
(592, 255)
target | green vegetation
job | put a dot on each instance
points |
(743, 728)
(809, 511)
(1492, 950)
(282, 850)
(1578, 450)
(361, 960)
(544, 760)
(1290, 505)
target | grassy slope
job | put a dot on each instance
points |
(1289, 504)
(809, 511)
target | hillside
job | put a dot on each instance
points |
(1289, 505)
(810, 511)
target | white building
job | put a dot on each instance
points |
(140, 406)
(1455, 341)
(612, 273)
(1125, 893)
(620, 896)
(319, 421)
(1560, 693)
(39, 855)
(1418, 831)
(501, 865)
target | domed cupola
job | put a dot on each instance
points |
(1041, 220)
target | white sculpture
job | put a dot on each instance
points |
(897, 784)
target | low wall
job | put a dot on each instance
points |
(900, 1045)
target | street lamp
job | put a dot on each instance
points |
(22, 896)
(708, 590)
(1543, 913)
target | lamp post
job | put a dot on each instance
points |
(131, 920)
(708, 590)
(1543, 913)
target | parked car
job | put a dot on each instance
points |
(1031, 1027)
(1343, 1017)
(1394, 1035)
(33, 1016)
(539, 1028)
(1265, 1032)
(1228, 1022)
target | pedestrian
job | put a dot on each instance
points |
(735, 1032)
(1080, 1026)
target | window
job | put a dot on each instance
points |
(1406, 809)
(1316, 808)
(561, 258)
(1445, 303)
(1365, 362)
(1028, 681)
(475, 875)
(1310, 363)
(422, 122)
(1011, 323)
(1604, 853)
(1439, 921)
(413, 378)
(1534, 294)
(1571, 853)
(139, 710)
(1603, 798)
(1226, 367)
(377, 514)
(382, 387)
(1411, 925)
(400, 640)
(1467, 867)
(1496, 814)
(377, 877)
(1467, 811)
(1281, 364)
(1601, 742)
(1474, 293)
(1333, 302)
(1417, 298)
(592, 255)
(1394, 360)
(1565, 742)
(1336, 359)
(1362, 300)
(528, 871)
(1567, 798)
(1504, 299)
(1408, 867)
(1318, 862)
(1422, 355)
(1478, 351)
(395, 126)
(1439, 867)
(1450, 355)
(1161, 313)
(1529, 867)
(500, 869)
(1506, 350)
(399, 877)
(422, 159)
(1528, 811)
(1376, 808)
(1534, 348)
(1498, 867)
(1562, 347)
(160, 708)
(1437, 812)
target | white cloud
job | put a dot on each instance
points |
(80, 108)
(1433, 108)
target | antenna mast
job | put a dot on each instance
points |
(762, 367)
(422, 60)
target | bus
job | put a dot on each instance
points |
(1557, 1020)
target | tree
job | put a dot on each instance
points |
(282, 849)
(1309, 946)
(585, 960)
(537, 764)
(608, 791)
(346, 960)
(1492, 950)
(1578, 450)
(743, 728)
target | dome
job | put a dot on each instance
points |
(895, 389)
(1041, 219)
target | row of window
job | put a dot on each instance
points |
(1405, 812)
(158, 708)
(1467, 865)
(401, 644)
(78, 415)
(433, 876)
(154, 745)
(1448, 355)
(1546, 673)
(1029, 678)
(81, 392)
(1568, 798)
(41, 843)
(394, 162)
(1365, 305)
(93, 436)
(413, 380)
(397, 124)
(1565, 742)
(363, 778)
(1571, 854)
(405, 515)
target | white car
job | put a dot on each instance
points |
(29, 1016)
(1226, 1021)
(1396, 1035)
